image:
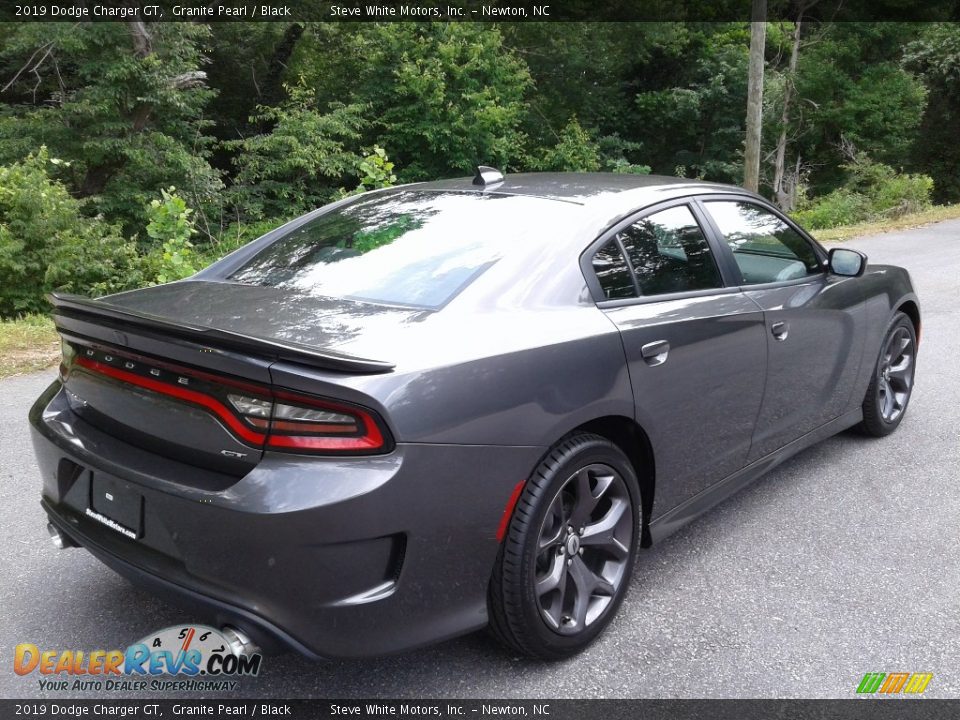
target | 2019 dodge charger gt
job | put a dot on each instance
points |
(425, 409)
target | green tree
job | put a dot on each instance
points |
(47, 244)
(301, 161)
(590, 70)
(122, 102)
(575, 151)
(247, 68)
(851, 87)
(935, 58)
(692, 113)
(443, 97)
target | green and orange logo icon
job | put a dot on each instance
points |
(894, 683)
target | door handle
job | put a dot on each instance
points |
(780, 330)
(655, 353)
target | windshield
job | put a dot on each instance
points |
(407, 247)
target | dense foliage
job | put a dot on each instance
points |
(46, 243)
(872, 191)
(134, 153)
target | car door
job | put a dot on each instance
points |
(695, 348)
(815, 321)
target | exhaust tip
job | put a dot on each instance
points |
(238, 642)
(59, 540)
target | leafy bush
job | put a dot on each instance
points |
(615, 153)
(575, 151)
(624, 167)
(376, 170)
(840, 207)
(301, 162)
(170, 225)
(442, 96)
(130, 120)
(872, 191)
(891, 194)
(169, 218)
(46, 244)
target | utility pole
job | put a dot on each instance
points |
(758, 38)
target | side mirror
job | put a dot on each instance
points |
(846, 262)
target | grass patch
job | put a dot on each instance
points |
(911, 220)
(27, 344)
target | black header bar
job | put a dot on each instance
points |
(469, 10)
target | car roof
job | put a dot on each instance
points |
(588, 189)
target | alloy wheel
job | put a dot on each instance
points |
(895, 374)
(583, 549)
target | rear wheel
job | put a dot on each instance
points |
(892, 384)
(568, 555)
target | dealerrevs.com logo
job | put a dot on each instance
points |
(199, 657)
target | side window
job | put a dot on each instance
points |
(765, 247)
(613, 273)
(669, 253)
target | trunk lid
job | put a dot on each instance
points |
(179, 369)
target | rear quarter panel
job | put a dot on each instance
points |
(524, 378)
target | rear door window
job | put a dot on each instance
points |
(668, 253)
(614, 274)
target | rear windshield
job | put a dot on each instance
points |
(408, 247)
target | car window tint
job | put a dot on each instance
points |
(765, 247)
(403, 247)
(669, 253)
(613, 273)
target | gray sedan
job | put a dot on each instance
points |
(428, 409)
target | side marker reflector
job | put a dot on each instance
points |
(508, 510)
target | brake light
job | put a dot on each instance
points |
(307, 423)
(260, 416)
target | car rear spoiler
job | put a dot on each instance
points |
(81, 308)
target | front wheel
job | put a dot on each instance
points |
(568, 555)
(892, 382)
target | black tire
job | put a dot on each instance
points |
(550, 624)
(891, 384)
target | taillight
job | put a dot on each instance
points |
(67, 355)
(306, 423)
(260, 416)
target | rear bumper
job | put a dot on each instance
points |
(331, 557)
(264, 633)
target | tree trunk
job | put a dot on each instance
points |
(794, 185)
(758, 36)
(273, 91)
(97, 176)
(781, 194)
(142, 41)
(96, 179)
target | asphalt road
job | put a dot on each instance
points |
(842, 561)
